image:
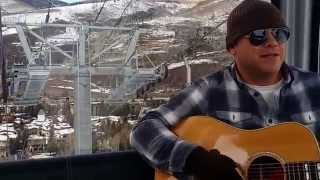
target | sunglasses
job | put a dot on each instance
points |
(260, 36)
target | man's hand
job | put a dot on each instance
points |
(210, 165)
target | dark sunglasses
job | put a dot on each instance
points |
(260, 36)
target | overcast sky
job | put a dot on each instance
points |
(70, 1)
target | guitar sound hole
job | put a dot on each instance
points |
(266, 168)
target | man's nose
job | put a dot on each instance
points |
(271, 40)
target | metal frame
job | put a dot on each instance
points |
(83, 70)
(319, 51)
(298, 17)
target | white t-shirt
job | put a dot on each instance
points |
(269, 93)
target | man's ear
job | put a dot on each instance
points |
(232, 51)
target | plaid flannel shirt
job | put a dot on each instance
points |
(223, 96)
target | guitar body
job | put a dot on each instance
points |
(278, 146)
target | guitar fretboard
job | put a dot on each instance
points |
(307, 170)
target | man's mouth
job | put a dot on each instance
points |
(270, 55)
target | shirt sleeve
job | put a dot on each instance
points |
(153, 138)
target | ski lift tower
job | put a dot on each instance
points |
(78, 65)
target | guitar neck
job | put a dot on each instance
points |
(309, 170)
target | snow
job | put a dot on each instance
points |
(175, 7)
(9, 31)
(69, 81)
(41, 156)
(37, 137)
(114, 118)
(64, 125)
(4, 137)
(60, 118)
(62, 132)
(12, 6)
(118, 46)
(41, 117)
(72, 1)
(113, 9)
(161, 21)
(63, 87)
(31, 126)
(101, 90)
(69, 13)
(95, 90)
(155, 52)
(111, 118)
(70, 36)
(162, 33)
(208, 53)
(7, 127)
(198, 61)
(97, 118)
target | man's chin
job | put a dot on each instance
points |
(269, 72)
(270, 67)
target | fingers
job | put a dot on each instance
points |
(234, 175)
(229, 160)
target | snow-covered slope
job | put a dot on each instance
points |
(114, 9)
(14, 6)
(173, 26)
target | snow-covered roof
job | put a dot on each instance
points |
(42, 156)
(61, 132)
(37, 137)
(4, 137)
(32, 126)
(114, 118)
(61, 126)
(198, 61)
(96, 118)
(7, 127)
(60, 118)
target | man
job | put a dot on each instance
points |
(257, 90)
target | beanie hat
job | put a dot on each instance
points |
(251, 15)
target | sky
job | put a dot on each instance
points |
(70, 1)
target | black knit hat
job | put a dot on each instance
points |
(251, 15)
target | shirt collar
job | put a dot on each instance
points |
(285, 70)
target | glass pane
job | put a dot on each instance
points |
(80, 89)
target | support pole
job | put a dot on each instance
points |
(3, 65)
(82, 121)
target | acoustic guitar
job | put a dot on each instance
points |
(287, 151)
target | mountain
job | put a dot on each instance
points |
(13, 6)
(173, 31)
(45, 3)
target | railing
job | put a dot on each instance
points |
(105, 166)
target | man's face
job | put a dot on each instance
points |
(259, 60)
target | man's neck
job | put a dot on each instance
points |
(260, 79)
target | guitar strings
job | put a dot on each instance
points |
(286, 165)
(290, 174)
(290, 164)
(275, 168)
(282, 172)
(301, 166)
(287, 173)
